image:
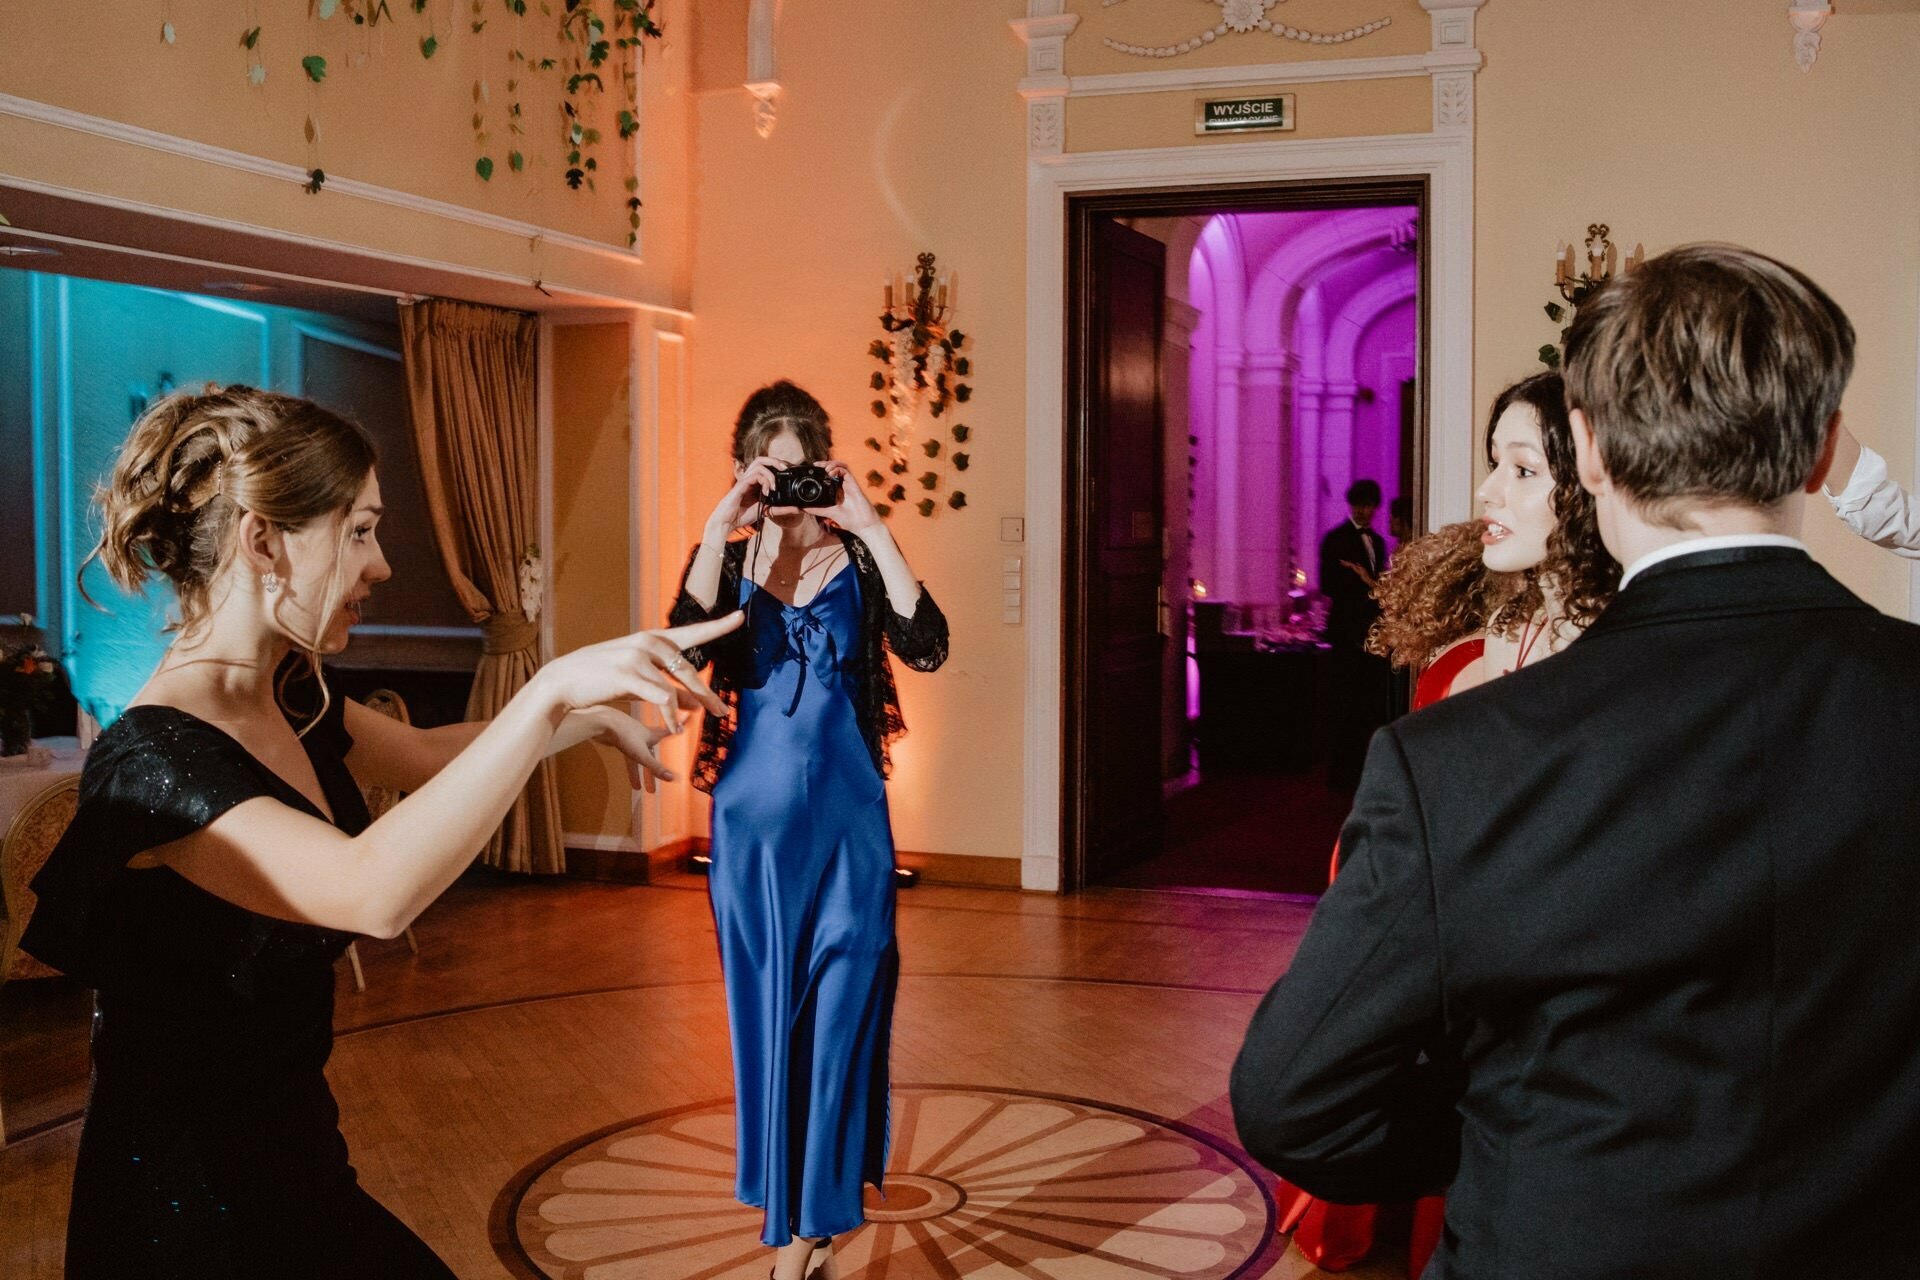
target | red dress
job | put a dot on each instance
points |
(1335, 1236)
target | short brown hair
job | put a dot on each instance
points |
(1709, 374)
(776, 407)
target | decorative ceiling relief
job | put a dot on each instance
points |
(1244, 17)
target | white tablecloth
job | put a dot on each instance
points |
(20, 783)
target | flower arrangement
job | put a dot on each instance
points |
(28, 678)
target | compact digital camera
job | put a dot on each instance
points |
(805, 485)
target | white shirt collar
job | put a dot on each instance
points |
(1691, 545)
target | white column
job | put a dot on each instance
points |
(1337, 403)
(1230, 563)
(1308, 398)
(1263, 470)
(1044, 31)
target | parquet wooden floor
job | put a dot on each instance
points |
(513, 1091)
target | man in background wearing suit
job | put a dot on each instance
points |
(1352, 557)
(1623, 949)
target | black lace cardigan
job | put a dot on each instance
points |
(919, 641)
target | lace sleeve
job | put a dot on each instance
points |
(688, 610)
(919, 641)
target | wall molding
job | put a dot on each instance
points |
(277, 170)
(1297, 71)
(1451, 64)
(597, 841)
(1443, 157)
(362, 252)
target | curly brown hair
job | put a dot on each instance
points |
(1439, 589)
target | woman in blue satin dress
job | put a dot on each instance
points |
(802, 876)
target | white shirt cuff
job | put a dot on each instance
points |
(1869, 473)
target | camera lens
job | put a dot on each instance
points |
(809, 490)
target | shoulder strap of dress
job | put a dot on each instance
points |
(1437, 680)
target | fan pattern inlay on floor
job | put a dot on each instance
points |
(991, 1183)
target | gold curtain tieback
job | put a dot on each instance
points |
(506, 633)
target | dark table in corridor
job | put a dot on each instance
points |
(1262, 710)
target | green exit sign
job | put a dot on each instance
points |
(1245, 115)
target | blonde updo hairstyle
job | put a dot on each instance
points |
(195, 461)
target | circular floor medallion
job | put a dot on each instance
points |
(913, 1197)
(989, 1183)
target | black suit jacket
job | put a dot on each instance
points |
(1625, 950)
(1351, 608)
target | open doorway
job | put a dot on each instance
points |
(1241, 364)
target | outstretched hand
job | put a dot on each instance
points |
(647, 666)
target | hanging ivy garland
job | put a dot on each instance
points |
(593, 31)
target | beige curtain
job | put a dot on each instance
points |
(470, 403)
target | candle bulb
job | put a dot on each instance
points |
(886, 286)
(1559, 261)
(953, 287)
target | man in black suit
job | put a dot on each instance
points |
(1352, 557)
(1623, 950)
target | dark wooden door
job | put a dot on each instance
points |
(1121, 523)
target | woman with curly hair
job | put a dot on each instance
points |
(1463, 605)
(1485, 597)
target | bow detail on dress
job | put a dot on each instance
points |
(801, 622)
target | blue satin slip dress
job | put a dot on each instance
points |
(803, 896)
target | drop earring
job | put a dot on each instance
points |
(270, 582)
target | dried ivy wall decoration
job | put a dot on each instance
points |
(594, 39)
(922, 363)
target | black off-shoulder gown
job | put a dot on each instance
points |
(211, 1146)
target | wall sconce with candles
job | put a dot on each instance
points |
(1575, 288)
(1601, 259)
(919, 298)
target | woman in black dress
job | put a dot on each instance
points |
(222, 858)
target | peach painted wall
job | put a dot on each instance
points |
(1676, 123)
(385, 115)
(592, 576)
(899, 131)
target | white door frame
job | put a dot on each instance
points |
(1444, 158)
